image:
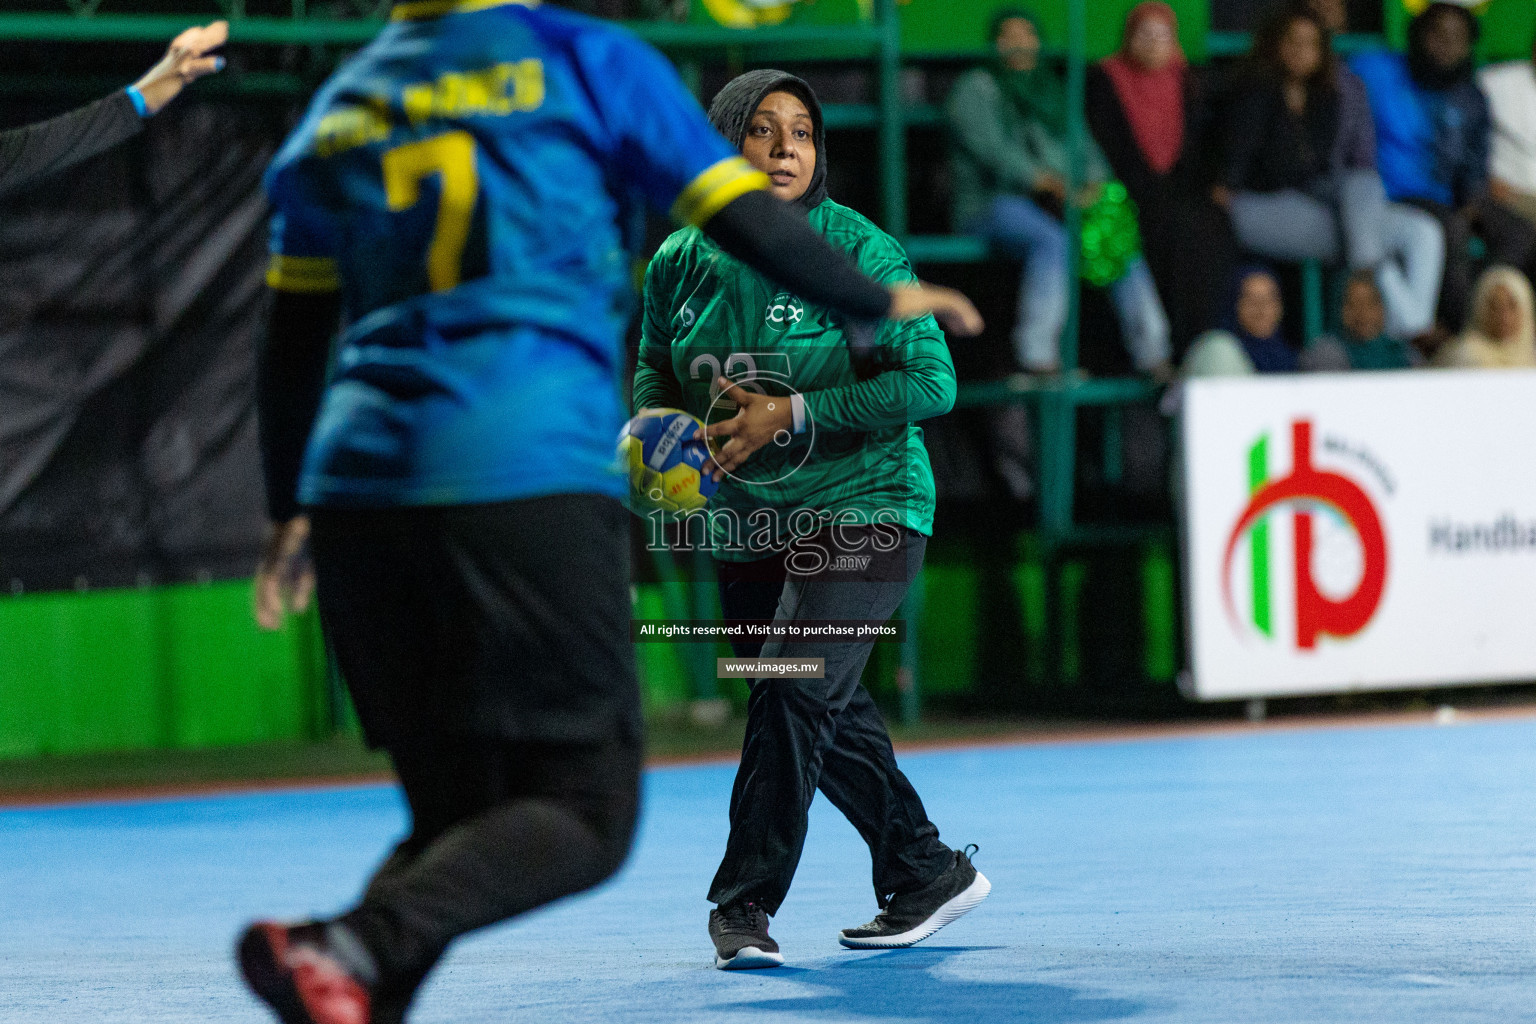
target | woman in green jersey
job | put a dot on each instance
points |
(822, 516)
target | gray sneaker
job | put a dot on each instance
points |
(911, 917)
(740, 934)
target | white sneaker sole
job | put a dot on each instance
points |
(749, 958)
(956, 908)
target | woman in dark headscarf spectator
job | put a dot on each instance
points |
(1300, 180)
(1432, 132)
(1145, 109)
(1249, 340)
(1255, 321)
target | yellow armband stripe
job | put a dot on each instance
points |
(716, 188)
(303, 274)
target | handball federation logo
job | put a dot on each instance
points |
(1305, 492)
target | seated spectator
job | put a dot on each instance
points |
(1146, 111)
(1364, 343)
(1300, 179)
(1432, 137)
(1503, 333)
(1511, 92)
(1008, 121)
(1252, 331)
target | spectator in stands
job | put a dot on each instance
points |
(1146, 110)
(1511, 92)
(1009, 125)
(1300, 178)
(1432, 134)
(1364, 343)
(1251, 334)
(1503, 333)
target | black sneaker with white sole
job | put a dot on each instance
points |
(740, 934)
(911, 917)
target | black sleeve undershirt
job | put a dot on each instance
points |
(30, 153)
(290, 379)
(764, 233)
(775, 239)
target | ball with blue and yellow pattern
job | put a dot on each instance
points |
(663, 452)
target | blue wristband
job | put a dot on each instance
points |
(138, 101)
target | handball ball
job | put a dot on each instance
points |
(663, 452)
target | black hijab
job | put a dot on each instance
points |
(1421, 66)
(1272, 354)
(734, 105)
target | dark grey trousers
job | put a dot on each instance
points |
(486, 649)
(497, 829)
(827, 734)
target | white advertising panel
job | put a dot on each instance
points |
(1361, 531)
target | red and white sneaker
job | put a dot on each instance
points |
(291, 968)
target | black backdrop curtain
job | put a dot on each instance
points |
(131, 300)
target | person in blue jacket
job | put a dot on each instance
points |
(1432, 138)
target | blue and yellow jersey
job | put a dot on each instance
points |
(470, 183)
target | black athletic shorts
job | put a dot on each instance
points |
(507, 620)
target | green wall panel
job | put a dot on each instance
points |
(163, 667)
(663, 676)
(1160, 614)
(1507, 29)
(231, 683)
(80, 672)
(948, 632)
(186, 667)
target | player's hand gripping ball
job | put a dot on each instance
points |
(663, 451)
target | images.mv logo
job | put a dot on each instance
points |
(1304, 491)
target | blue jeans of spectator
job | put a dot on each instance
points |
(1347, 219)
(1016, 226)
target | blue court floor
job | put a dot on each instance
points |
(1373, 874)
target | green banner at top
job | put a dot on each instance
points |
(939, 27)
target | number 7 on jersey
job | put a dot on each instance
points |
(452, 157)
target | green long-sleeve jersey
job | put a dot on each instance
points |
(859, 459)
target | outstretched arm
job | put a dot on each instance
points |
(772, 238)
(188, 58)
(33, 152)
(915, 381)
(666, 148)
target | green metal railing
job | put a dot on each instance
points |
(878, 40)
